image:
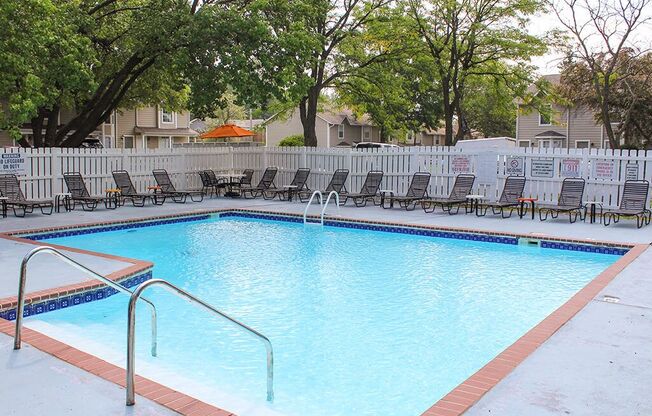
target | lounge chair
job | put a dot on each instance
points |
(512, 191)
(417, 191)
(297, 185)
(632, 204)
(265, 183)
(461, 188)
(570, 201)
(79, 193)
(337, 184)
(128, 191)
(10, 189)
(167, 188)
(369, 190)
(210, 186)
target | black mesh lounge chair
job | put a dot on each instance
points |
(128, 191)
(167, 188)
(512, 191)
(79, 193)
(461, 188)
(417, 191)
(209, 187)
(570, 200)
(266, 183)
(632, 204)
(297, 185)
(369, 190)
(337, 184)
(10, 189)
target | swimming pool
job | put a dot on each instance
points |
(362, 322)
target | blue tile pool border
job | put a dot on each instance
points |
(75, 299)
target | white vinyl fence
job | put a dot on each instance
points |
(41, 172)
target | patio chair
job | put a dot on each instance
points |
(337, 184)
(369, 190)
(512, 191)
(168, 189)
(128, 191)
(570, 201)
(265, 183)
(632, 204)
(10, 189)
(79, 193)
(461, 188)
(417, 191)
(297, 185)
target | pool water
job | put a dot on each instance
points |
(362, 322)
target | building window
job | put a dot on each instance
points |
(545, 120)
(128, 142)
(606, 144)
(340, 131)
(582, 144)
(167, 116)
(365, 133)
(524, 143)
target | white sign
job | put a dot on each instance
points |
(570, 167)
(515, 166)
(460, 164)
(543, 167)
(13, 163)
(631, 172)
(604, 169)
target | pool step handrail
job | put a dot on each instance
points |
(131, 334)
(74, 263)
(337, 204)
(321, 204)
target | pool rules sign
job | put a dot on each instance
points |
(13, 163)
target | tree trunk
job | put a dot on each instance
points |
(308, 115)
(37, 129)
(53, 125)
(449, 113)
(606, 120)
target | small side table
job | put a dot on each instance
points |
(592, 210)
(383, 193)
(291, 189)
(157, 191)
(63, 199)
(112, 200)
(3, 203)
(474, 203)
(522, 202)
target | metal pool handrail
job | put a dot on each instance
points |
(337, 204)
(131, 335)
(23, 277)
(321, 201)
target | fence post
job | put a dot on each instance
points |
(304, 157)
(55, 165)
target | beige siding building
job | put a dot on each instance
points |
(568, 127)
(332, 129)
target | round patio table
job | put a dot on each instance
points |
(522, 202)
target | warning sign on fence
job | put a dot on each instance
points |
(543, 167)
(515, 166)
(570, 167)
(13, 163)
(604, 169)
(631, 171)
(460, 164)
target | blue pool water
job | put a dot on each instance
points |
(362, 322)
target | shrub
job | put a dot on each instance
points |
(295, 140)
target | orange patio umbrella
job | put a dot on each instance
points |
(227, 130)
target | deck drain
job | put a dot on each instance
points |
(611, 299)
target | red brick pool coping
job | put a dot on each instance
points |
(455, 403)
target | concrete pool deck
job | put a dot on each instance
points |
(596, 363)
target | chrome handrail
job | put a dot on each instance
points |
(131, 335)
(337, 204)
(23, 277)
(321, 202)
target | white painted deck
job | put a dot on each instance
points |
(597, 364)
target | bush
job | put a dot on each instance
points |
(290, 141)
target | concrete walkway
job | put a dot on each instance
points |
(598, 363)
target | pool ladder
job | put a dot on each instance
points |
(322, 204)
(131, 330)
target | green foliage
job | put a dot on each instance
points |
(292, 141)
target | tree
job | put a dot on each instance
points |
(475, 38)
(97, 56)
(602, 32)
(629, 100)
(323, 27)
